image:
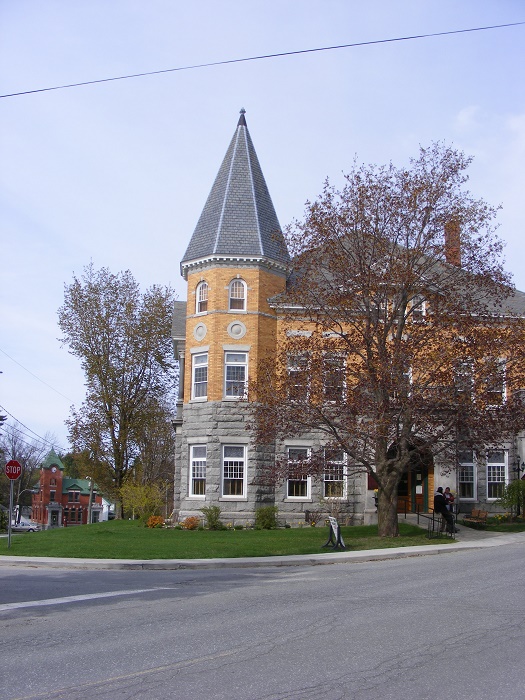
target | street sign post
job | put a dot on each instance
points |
(13, 471)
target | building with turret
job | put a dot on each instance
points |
(235, 263)
(237, 267)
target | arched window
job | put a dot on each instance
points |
(237, 295)
(202, 298)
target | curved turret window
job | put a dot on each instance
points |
(202, 298)
(237, 295)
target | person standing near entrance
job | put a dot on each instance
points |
(449, 497)
(440, 507)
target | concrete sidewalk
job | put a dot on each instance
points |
(466, 539)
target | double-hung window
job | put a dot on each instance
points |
(495, 381)
(237, 295)
(202, 298)
(466, 476)
(298, 380)
(233, 471)
(496, 473)
(199, 382)
(298, 485)
(198, 470)
(235, 374)
(335, 475)
(418, 310)
(401, 379)
(464, 378)
(333, 377)
(73, 496)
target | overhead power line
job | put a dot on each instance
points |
(13, 431)
(44, 440)
(35, 376)
(263, 57)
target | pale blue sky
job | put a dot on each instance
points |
(118, 172)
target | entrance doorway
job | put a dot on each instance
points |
(413, 491)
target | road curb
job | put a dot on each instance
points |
(251, 562)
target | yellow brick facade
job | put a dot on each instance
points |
(258, 318)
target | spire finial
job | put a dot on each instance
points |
(242, 120)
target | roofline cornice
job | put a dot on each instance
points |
(235, 260)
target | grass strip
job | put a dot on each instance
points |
(122, 539)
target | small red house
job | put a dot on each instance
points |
(62, 501)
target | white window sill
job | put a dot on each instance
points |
(200, 399)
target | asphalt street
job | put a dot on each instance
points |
(396, 628)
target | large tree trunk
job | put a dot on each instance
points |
(387, 524)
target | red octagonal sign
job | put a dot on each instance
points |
(13, 469)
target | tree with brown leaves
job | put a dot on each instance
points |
(123, 340)
(400, 333)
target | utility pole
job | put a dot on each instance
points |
(90, 499)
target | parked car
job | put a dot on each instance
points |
(24, 526)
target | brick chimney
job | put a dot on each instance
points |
(453, 242)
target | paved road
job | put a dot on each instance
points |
(403, 629)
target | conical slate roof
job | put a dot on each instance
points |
(238, 219)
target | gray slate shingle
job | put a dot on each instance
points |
(239, 217)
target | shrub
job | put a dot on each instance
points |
(155, 521)
(213, 517)
(142, 499)
(266, 518)
(191, 522)
(513, 497)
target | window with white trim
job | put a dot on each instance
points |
(464, 378)
(467, 476)
(298, 486)
(334, 479)
(201, 298)
(401, 378)
(418, 309)
(298, 377)
(379, 307)
(235, 374)
(199, 383)
(233, 471)
(495, 387)
(237, 295)
(496, 473)
(333, 377)
(198, 471)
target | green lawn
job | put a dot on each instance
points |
(123, 539)
(496, 525)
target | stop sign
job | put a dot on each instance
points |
(13, 469)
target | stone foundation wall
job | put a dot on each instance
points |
(215, 424)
